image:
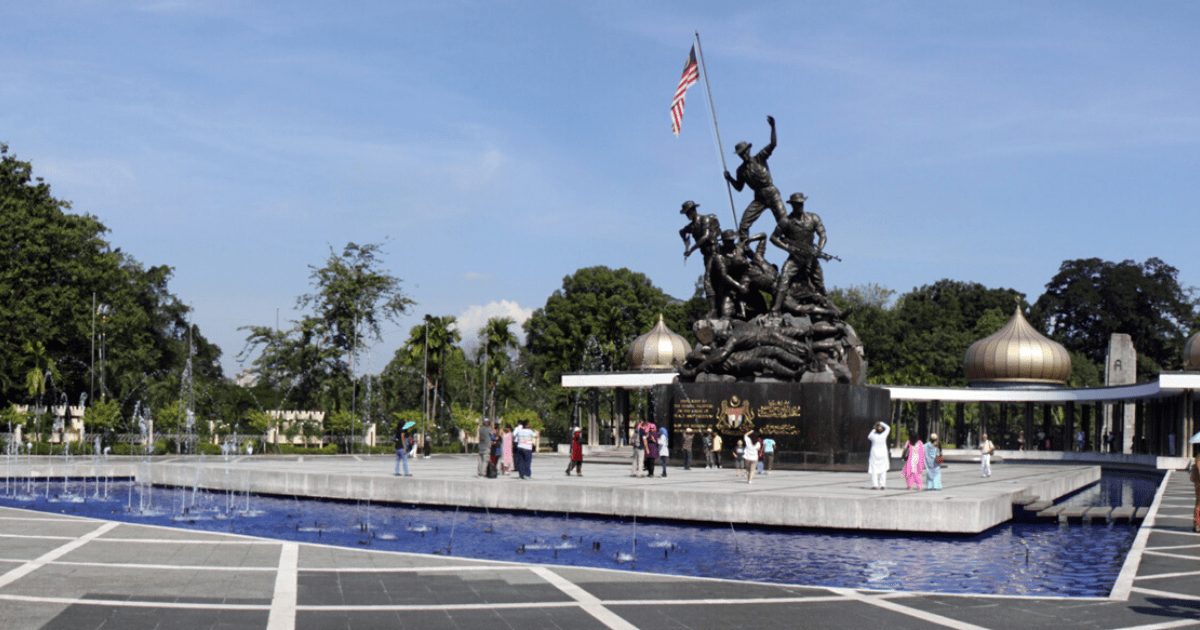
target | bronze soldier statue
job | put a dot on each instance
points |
(755, 173)
(794, 234)
(701, 233)
(734, 272)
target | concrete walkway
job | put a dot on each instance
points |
(969, 503)
(62, 572)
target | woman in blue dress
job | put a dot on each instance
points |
(933, 464)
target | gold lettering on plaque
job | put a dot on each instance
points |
(778, 409)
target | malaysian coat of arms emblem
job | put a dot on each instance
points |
(735, 415)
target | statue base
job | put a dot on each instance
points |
(816, 426)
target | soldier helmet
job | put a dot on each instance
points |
(728, 236)
(688, 205)
(741, 147)
(797, 198)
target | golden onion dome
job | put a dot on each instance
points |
(1017, 354)
(658, 349)
(1191, 353)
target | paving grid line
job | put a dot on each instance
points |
(1172, 555)
(33, 518)
(431, 569)
(1165, 625)
(159, 567)
(37, 537)
(813, 599)
(590, 603)
(433, 607)
(182, 541)
(283, 603)
(1133, 558)
(1174, 533)
(33, 565)
(1167, 547)
(916, 613)
(1159, 576)
(1167, 594)
(128, 603)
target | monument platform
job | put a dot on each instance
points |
(969, 504)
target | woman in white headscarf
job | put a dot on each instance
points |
(878, 461)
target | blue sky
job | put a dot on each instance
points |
(495, 147)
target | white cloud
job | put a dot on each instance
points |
(472, 319)
(476, 276)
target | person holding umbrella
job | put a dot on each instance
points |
(402, 446)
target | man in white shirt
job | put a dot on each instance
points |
(524, 438)
(986, 448)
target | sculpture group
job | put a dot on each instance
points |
(766, 322)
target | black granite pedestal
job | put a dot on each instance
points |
(816, 426)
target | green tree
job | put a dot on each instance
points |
(431, 348)
(11, 418)
(103, 417)
(588, 326)
(43, 368)
(1089, 299)
(921, 338)
(311, 362)
(52, 265)
(496, 339)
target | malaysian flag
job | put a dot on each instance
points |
(691, 74)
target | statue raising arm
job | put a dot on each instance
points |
(770, 148)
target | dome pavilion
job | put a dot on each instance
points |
(1017, 355)
(658, 349)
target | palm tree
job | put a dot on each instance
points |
(427, 346)
(495, 338)
(43, 366)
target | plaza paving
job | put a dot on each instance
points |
(67, 572)
(969, 503)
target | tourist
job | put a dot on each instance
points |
(914, 463)
(933, 463)
(506, 450)
(523, 437)
(639, 449)
(486, 437)
(708, 449)
(663, 452)
(738, 452)
(402, 443)
(1020, 440)
(688, 438)
(1108, 441)
(986, 448)
(878, 461)
(750, 455)
(494, 454)
(717, 444)
(576, 453)
(1195, 477)
(768, 455)
(650, 447)
(1080, 437)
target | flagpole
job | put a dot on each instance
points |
(712, 109)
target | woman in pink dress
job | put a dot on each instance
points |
(914, 463)
(506, 453)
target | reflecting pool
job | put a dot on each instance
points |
(1023, 557)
